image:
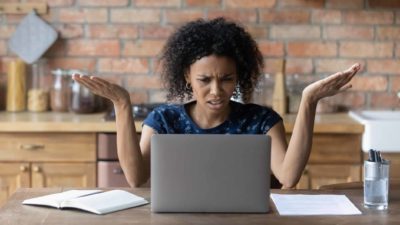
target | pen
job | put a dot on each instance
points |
(371, 155)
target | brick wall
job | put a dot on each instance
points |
(120, 39)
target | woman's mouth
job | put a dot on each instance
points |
(215, 104)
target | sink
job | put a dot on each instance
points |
(380, 129)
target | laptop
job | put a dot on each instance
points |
(210, 173)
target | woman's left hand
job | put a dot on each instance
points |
(331, 85)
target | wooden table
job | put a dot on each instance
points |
(16, 213)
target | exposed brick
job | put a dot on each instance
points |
(269, 48)
(250, 3)
(58, 3)
(348, 32)
(257, 31)
(93, 48)
(303, 49)
(143, 48)
(112, 31)
(369, 83)
(125, 65)
(295, 32)
(158, 3)
(139, 97)
(135, 15)
(368, 17)
(388, 66)
(203, 3)
(71, 30)
(395, 83)
(158, 96)
(14, 18)
(388, 33)
(366, 49)
(345, 4)
(3, 48)
(83, 15)
(326, 16)
(85, 64)
(384, 100)
(108, 3)
(142, 81)
(155, 31)
(397, 17)
(388, 4)
(58, 49)
(397, 51)
(301, 3)
(336, 65)
(349, 100)
(284, 16)
(299, 66)
(4, 63)
(6, 31)
(272, 65)
(244, 16)
(179, 16)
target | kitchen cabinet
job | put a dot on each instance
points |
(46, 160)
(336, 155)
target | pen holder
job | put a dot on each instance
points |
(376, 184)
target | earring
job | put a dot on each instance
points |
(188, 86)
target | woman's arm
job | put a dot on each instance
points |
(134, 163)
(288, 162)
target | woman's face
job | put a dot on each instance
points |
(213, 80)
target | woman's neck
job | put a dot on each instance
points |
(205, 119)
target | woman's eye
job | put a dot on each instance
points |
(205, 80)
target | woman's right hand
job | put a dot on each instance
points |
(117, 94)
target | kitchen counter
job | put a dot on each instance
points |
(14, 212)
(70, 122)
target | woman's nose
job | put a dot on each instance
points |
(215, 88)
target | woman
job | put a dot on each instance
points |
(210, 62)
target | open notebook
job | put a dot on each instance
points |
(95, 201)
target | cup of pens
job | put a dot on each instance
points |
(376, 181)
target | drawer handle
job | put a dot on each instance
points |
(23, 168)
(30, 146)
(36, 169)
(118, 171)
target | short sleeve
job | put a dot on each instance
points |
(270, 119)
(155, 120)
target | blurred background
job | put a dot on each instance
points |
(119, 40)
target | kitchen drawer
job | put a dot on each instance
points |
(107, 146)
(48, 147)
(336, 148)
(110, 174)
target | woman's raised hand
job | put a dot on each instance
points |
(331, 85)
(103, 88)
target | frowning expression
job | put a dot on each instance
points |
(213, 80)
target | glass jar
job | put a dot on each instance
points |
(82, 99)
(60, 91)
(38, 93)
(263, 91)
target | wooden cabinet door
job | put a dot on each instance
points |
(13, 176)
(315, 176)
(63, 175)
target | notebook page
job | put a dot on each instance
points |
(299, 204)
(55, 199)
(106, 202)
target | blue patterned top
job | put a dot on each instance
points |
(243, 119)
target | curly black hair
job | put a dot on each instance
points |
(201, 38)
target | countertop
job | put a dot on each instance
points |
(70, 122)
(16, 213)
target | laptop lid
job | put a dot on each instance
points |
(210, 173)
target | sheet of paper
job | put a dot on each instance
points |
(299, 204)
